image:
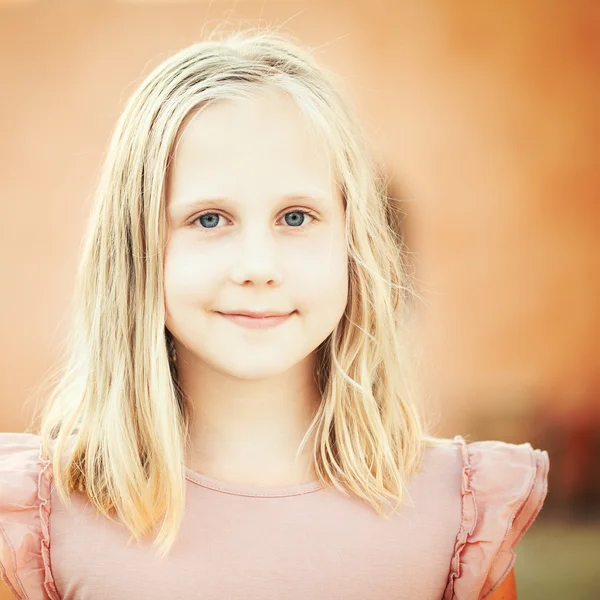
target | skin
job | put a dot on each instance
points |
(254, 164)
(5, 593)
(507, 589)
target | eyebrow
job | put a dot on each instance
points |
(198, 203)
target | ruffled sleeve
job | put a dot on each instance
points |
(25, 480)
(503, 489)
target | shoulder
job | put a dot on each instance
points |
(502, 488)
(25, 487)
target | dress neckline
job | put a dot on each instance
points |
(255, 491)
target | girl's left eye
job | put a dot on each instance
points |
(209, 220)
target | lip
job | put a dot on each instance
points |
(256, 322)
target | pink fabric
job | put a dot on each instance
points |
(452, 539)
(503, 489)
(24, 518)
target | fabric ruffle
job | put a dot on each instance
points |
(25, 503)
(503, 490)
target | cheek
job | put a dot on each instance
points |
(189, 276)
(321, 274)
(314, 272)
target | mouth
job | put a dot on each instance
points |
(257, 320)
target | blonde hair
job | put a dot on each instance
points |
(116, 422)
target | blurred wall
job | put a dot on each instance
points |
(488, 121)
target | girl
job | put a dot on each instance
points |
(237, 418)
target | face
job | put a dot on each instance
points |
(256, 224)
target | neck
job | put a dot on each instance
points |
(249, 431)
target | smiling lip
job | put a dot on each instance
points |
(257, 320)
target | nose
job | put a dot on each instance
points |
(257, 259)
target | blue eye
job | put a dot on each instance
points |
(294, 218)
(210, 220)
(296, 222)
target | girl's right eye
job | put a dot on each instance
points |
(207, 220)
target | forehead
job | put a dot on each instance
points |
(261, 142)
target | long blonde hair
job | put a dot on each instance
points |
(116, 422)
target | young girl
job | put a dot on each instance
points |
(237, 418)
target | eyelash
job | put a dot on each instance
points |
(212, 212)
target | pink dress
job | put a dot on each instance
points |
(453, 538)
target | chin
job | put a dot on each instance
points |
(255, 370)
